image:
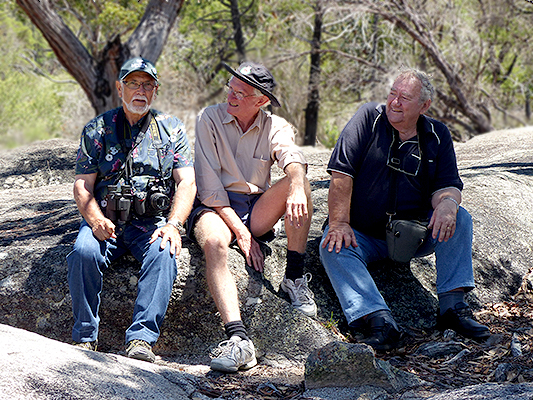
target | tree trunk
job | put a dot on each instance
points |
(238, 36)
(313, 96)
(411, 23)
(528, 105)
(97, 73)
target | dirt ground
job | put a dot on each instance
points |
(505, 357)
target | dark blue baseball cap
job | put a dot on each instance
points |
(137, 64)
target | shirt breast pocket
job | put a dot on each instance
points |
(259, 172)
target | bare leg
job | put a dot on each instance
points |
(270, 208)
(214, 237)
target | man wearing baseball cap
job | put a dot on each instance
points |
(236, 144)
(132, 198)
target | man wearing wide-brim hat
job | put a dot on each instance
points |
(236, 144)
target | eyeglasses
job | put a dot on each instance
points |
(134, 85)
(237, 95)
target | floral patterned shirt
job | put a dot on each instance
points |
(101, 152)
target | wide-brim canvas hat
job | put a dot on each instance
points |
(137, 64)
(258, 76)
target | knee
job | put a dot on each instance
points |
(463, 217)
(215, 246)
(464, 222)
(85, 252)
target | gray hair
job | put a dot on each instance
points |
(427, 91)
(258, 93)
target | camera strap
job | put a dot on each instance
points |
(126, 170)
(393, 187)
(158, 144)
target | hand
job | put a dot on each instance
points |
(169, 234)
(338, 233)
(251, 249)
(296, 212)
(104, 229)
(443, 220)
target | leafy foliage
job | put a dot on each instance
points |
(31, 109)
(482, 45)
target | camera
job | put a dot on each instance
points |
(156, 201)
(118, 203)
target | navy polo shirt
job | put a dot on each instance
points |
(365, 152)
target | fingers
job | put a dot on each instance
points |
(168, 234)
(258, 260)
(446, 232)
(252, 252)
(104, 229)
(443, 229)
(154, 236)
(296, 212)
(443, 224)
(337, 236)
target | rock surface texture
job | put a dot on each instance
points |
(39, 223)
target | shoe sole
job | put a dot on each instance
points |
(311, 314)
(485, 335)
(143, 356)
(222, 368)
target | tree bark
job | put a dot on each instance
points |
(411, 23)
(97, 73)
(313, 96)
(238, 36)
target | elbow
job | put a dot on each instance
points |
(188, 184)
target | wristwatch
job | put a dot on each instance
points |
(176, 223)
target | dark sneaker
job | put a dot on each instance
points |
(461, 320)
(140, 350)
(383, 335)
(234, 354)
(86, 345)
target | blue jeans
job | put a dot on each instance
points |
(86, 263)
(355, 288)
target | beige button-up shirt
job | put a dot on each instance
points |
(228, 159)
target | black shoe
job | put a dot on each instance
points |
(461, 320)
(383, 335)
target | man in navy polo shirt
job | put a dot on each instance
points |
(379, 141)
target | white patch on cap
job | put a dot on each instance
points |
(246, 70)
(137, 64)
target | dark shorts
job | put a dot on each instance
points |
(241, 203)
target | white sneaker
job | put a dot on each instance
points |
(301, 296)
(235, 353)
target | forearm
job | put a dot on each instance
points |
(87, 204)
(451, 195)
(339, 201)
(183, 199)
(232, 220)
(339, 197)
(296, 173)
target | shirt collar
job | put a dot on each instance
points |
(261, 115)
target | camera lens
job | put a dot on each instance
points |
(160, 202)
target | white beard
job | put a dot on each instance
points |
(138, 110)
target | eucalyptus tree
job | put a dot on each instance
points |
(215, 32)
(476, 50)
(92, 39)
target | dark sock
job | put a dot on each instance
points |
(295, 265)
(386, 314)
(450, 299)
(236, 328)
